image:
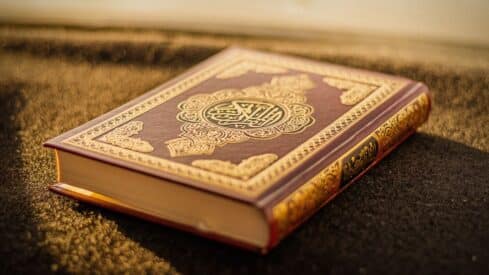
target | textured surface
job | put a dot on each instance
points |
(423, 209)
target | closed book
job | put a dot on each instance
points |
(243, 147)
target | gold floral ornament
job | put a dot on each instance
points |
(353, 92)
(405, 121)
(247, 66)
(121, 137)
(306, 199)
(244, 170)
(236, 115)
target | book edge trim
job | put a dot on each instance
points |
(295, 208)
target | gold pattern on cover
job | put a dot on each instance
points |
(228, 116)
(247, 66)
(244, 170)
(121, 137)
(86, 139)
(306, 199)
(392, 131)
(309, 197)
(353, 92)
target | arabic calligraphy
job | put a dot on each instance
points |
(245, 114)
(359, 159)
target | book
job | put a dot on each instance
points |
(241, 148)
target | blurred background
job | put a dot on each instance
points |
(448, 20)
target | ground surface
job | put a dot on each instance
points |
(424, 209)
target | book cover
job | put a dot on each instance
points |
(281, 133)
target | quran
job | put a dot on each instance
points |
(243, 147)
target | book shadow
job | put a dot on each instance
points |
(415, 203)
(19, 231)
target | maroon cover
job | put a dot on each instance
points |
(260, 128)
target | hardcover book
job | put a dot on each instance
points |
(243, 147)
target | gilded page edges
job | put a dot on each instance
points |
(309, 197)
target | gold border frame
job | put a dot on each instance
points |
(267, 177)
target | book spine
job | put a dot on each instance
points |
(296, 207)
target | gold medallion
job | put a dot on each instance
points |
(228, 116)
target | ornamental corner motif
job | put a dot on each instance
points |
(122, 137)
(353, 92)
(249, 66)
(244, 170)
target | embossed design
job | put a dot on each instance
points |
(304, 201)
(87, 139)
(359, 159)
(237, 115)
(353, 92)
(244, 170)
(247, 66)
(406, 120)
(121, 137)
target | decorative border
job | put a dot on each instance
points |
(255, 185)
